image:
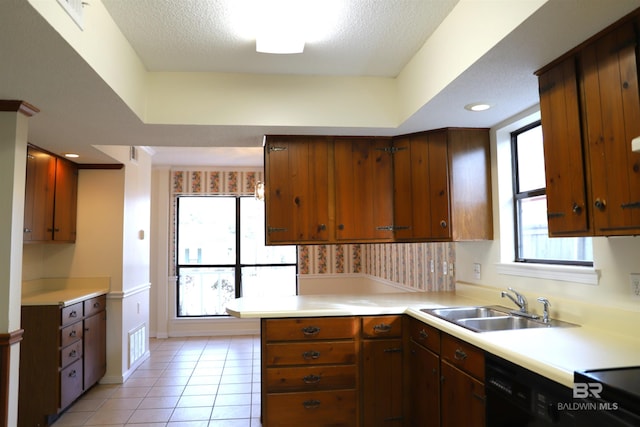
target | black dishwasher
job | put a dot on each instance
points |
(517, 397)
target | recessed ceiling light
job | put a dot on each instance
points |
(478, 106)
(72, 155)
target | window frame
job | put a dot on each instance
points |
(518, 196)
(237, 266)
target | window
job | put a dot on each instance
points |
(216, 264)
(532, 242)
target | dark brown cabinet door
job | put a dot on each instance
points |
(424, 387)
(463, 398)
(297, 187)
(39, 196)
(612, 120)
(382, 382)
(567, 208)
(95, 352)
(66, 200)
(363, 186)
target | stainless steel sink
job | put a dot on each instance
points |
(490, 318)
(457, 313)
(489, 324)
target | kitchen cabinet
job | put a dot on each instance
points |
(422, 376)
(51, 187)
(442, 185)
(590, 111)
(462, 384)
(310, 372)
(62, 355)
(428, 186)
(363, 189)
(382, 371)
(297, 189)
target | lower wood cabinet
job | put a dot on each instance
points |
(310, 374)
(382, 371)
(462, 384)
(369, 371)
(62, 355)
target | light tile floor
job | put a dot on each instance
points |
(186, 382)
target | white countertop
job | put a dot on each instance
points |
(62, 297)
(552, 352)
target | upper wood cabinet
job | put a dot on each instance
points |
(297, 189)
(442, 185)
(428, 186)
(590, 111)
(363, 185)
(51, 188)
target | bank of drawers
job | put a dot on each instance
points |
(310, 371)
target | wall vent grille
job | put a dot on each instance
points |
(74, 10)
(137, 344)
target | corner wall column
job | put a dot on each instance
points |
(14, 117)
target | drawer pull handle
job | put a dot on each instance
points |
(393, 350)
(73, 314)
(96, 305)
(311, 355)
(73, 333)
(382, 328)
(459, 354)
(72, 374)
(310, 331)
(423, 334)
(73, 353)
(311, 379)
(311, 404)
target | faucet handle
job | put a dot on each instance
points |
(545, 309)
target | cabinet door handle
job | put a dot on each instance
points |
(96, 305)
(73, 353)
(459, 354)
(310, 355)
(576, 209)
(73, 333)
(311, 379)
(311, 404)
(310, 331)
(382, 328)
(72, 374)
(600, 204)
(443, 224)
(423, 334)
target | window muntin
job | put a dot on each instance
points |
(215, 264)
(532, 242)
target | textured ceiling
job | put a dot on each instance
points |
(358, 37)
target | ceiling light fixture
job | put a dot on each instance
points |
(478, 106)
(281, 27)
(72, 155)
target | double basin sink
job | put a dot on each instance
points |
(491, 318)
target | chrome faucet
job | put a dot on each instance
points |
(545, 309)
(519, 300)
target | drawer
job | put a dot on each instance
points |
(462, 355)
(382, 326)
(71, 334)
(425, 335)
(70, 383)
(95, 305)
(309, 378)
(70, 353)
(321, 408)
(311, 353)
(71, 314)
(309, 328)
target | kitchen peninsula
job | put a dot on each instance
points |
(553, 353)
